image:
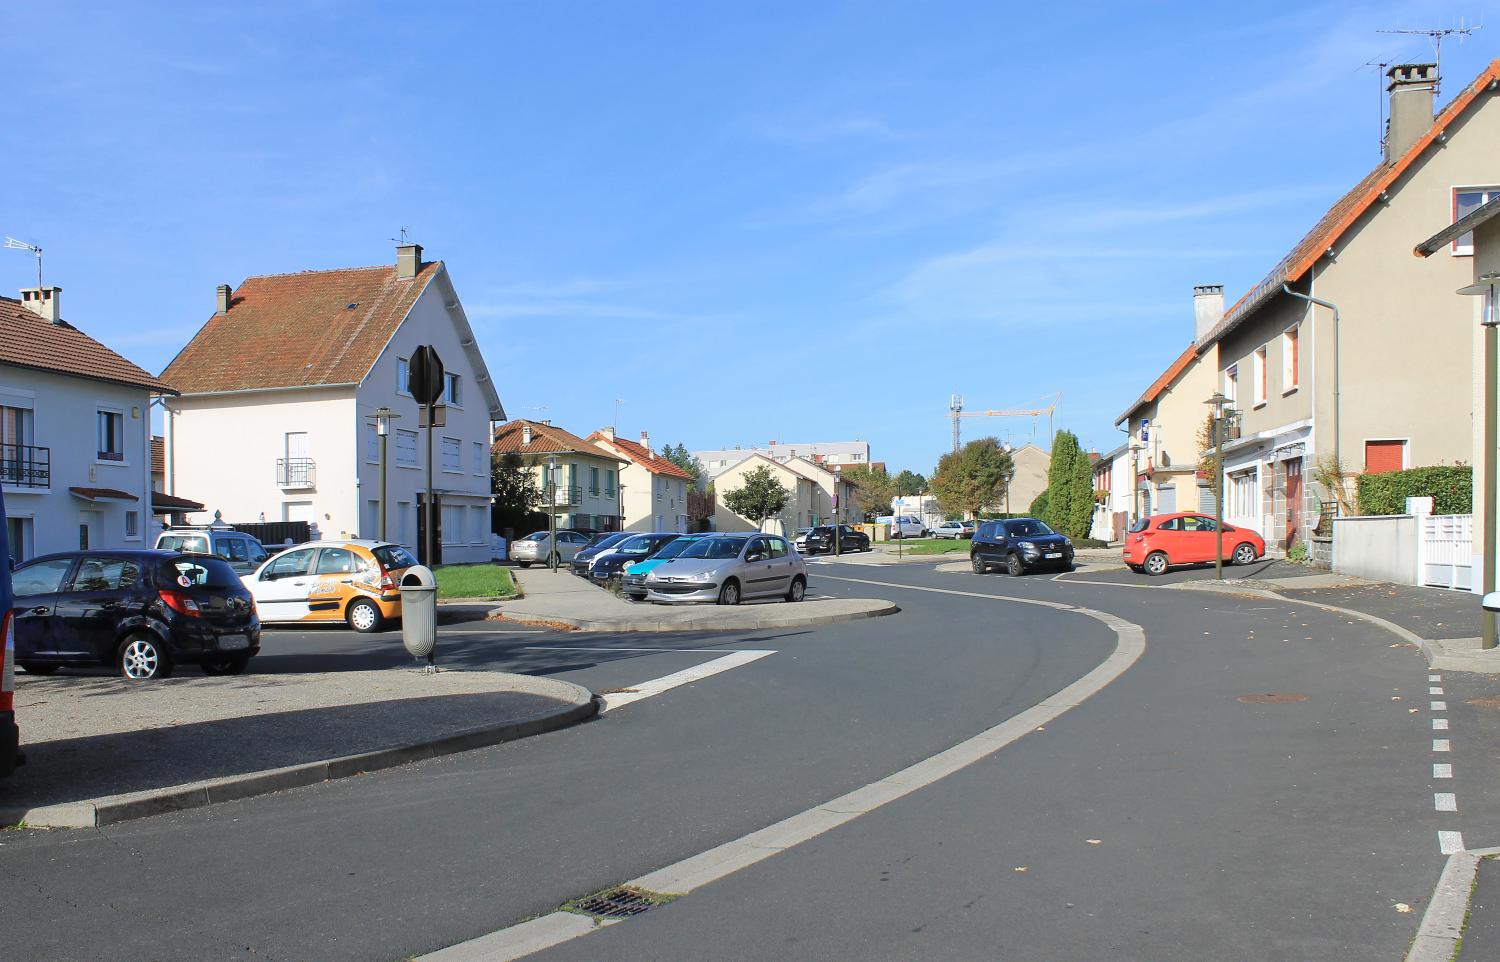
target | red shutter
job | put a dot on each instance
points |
(1382, 456)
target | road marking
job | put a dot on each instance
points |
(1445, 802)
(701, 651)
(656, 686)
(1442, 771)
(1450, 842)
(1434, 677)
(1434, 691)
(1439, 706)
(490, 631)
(1440, 724)
(1440, 745)
(698, 870)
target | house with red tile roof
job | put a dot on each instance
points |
(581, 482)
(1377, 370)
(75, 432)
(654, 494)
(279, 388)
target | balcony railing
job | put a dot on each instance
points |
(563, 495)
(25, 466)
(296, 473)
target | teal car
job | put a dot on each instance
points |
(633, 578)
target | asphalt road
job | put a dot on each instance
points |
(1165, 818)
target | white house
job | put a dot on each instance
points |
(833, 454)
(275, 419)
(798, 512)
(832, 496)
(653, 490)
(584, 493)
(75, 432)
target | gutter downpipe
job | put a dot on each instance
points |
(1337, 455)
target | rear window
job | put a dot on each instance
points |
(190, 543)
(1139, 524)
(392, 556)
(197, 572)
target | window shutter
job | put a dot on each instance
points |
(1383, 456)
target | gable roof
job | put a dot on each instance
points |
(1172, 373)
(757, 456)
(30, 340)
(636, 452)
(1347, 210)
(308, 329)
(808, 469)
(545, 439)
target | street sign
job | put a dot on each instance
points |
(424, 375)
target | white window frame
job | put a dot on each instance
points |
(453, 390)
(124, 461)
(481, 463)
(403, 376)
(1405, 449)
(1291, 360)
(416, 459)
(135, 516)
(1458, 248)
(1232, 383)
(456, 447)
(1260, 385)
(372, 451)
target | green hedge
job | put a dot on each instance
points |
(1451, 488)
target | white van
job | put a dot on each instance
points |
(904, 526)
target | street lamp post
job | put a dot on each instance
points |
(383, 417)
(1135, 481)
(1222, 417)
(552, 558)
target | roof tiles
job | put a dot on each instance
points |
(28, 340)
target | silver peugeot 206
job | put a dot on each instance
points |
(727, 568)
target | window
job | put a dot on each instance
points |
(453, 523)
(337, 561)
(453, 390)
(481, 463)
(779, 548)
(232, 549)
(1289, 360)
(1232, 384)
(593, 480)
(288, 565)
(406, 448)
(42, 578)
(403, 375)
(1258, 368)
(609, 483)
(132, 525)
(452, 454)
(1466, 200)
(105, 574)
(1242, 500)
(111, 436)
(481, 524)
(372, 444)
(1383, 456)
(1192, 523)
(661, 487)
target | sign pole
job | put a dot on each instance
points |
(427, 557)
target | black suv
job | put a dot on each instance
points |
(1019, 545)
(141, 611)
(821, 539)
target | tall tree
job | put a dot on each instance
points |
(759, 496)
(875, 488)
(972, 478)
(514, 487)
(910, 482)
(1070, 487)
(680, 456)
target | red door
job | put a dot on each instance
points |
(1293, 501)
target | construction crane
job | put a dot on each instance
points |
(956, 412)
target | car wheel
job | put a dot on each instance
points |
(730, 593)
(143, 657)
(230, 665)
(364, 616)
(1244, 554)
(524, 564)
(977, 563)
(1156, 564)
(798, 590)
(31, 668)
(1014, 566)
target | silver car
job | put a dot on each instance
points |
(727, 568)
(535, 548)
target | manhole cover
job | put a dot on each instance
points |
(1484, 702)
(618, 903)
(1270, 698)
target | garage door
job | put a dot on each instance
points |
(1382, 456)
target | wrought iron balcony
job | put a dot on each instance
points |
(562, 495)
(25, 466)
(296, 473)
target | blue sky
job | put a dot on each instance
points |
(749, 221)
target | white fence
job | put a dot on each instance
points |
(1445, 551)
(1407, 549)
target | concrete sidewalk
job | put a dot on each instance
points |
(100, 750)
(560, 598)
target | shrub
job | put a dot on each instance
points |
(1451, 487)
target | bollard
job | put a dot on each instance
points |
(419, 613)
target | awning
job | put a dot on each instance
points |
(103, 495)
(163, 503)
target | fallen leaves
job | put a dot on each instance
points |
(1402, 907)
(1094, 841)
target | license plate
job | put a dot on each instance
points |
(233, 642)
(1053, 554)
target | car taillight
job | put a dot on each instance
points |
(7, 670)
(387, 583)
(179, 602)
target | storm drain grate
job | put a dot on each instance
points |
(618, 903)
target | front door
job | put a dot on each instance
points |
(89, 528)
(36, 589)
(283, 586)
(1293, 501)
(759, 575)
(89, 610)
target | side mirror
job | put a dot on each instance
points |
(754, 556)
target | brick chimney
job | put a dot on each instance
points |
(1411, 88)
(646, 443)
(44, 302)
(408, 260)
(1208, 308)
(226, 293)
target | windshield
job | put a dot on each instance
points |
(393, 556)
(1026, 528)
(676, 548)
(605, 539)
(640, 544)
(715, 548)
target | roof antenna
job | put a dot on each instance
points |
(13, 244)
(402, 240)
(615, 424)
(1379, 66)
(1436, 37)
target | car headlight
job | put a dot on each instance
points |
(1028, 548)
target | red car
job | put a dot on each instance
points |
(1156, 543)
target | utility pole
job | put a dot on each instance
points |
(1222, 417)
(383, 417)
(552, 558)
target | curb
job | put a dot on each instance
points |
(634, 624)
(581, 705)
(1442, 927)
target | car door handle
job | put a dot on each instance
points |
(40, 611)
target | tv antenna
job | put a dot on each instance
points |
(402, 239)
(615, 424)
(1379, 66)
(1436, 36)
(19, 245)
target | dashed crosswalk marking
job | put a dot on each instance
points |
(1451, 843)
(1442, 771)
(1440, 745)
(1445, 802)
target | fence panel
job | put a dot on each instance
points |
(1447, 551)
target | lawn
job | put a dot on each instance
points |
(474, 581)
(928, 545)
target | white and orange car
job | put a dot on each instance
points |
(328, 581)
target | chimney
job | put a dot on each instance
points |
(225, 294)
(44, 302)
(1208, 308)
(646, 441)
(1411, 88)
(608, 432)
(408, 260)
(525, 435)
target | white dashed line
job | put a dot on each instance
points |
(1442, 771)
(1439, 706)
(1434, 691)
(1440, 724)
(1440, 745)
(1451, 843)
(1434, 677)
(1445, 802)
